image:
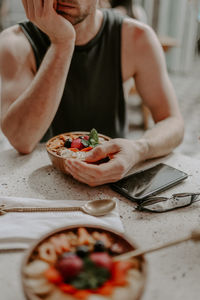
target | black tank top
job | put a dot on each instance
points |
(93, 95)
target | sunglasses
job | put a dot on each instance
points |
(164, 204)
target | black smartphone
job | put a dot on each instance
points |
(149, 182)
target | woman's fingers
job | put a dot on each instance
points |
(25, 5)
(38, 7)
(55, 3)
(95, 174)
(33, 8)
(102, 151)
(29, 8)
(123, 154)
(48, 5)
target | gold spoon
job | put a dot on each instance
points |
(194, 236)
(96, 208)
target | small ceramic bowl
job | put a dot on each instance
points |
(40, 283)
(55, 147)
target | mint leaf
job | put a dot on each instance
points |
(85, 142)
(93, 138)
(91, 277)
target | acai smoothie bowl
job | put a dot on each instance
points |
(73, 145)
(79, 262)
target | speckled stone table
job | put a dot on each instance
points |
(173, 273)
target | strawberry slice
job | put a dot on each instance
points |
(86, 137)
(69, 267)
(76, 143)
(102, 259)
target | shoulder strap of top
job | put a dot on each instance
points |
(113, 16)
(38, 40)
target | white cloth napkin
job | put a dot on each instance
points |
(18, 230)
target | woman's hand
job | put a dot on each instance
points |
(43, 14)
(123, 153)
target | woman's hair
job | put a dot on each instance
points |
(127, 4)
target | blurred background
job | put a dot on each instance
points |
(177, 24)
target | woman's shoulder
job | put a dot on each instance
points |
(15, 49)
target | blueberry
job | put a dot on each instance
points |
(68, 143)
(66, 254)
(99, 246)
(82, 251)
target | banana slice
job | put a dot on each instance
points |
(39, 286)
(97, 297)
(36, 268)
(58, 295)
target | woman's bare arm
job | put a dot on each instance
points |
(156, 90)
(29, 99)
